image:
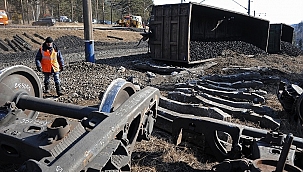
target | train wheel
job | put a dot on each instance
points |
(19, 80)
(116, 94)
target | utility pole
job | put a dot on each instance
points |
(88, 31)
(103, 11)
(248, 9)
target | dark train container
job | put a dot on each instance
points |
(277, 33)
(174, 26)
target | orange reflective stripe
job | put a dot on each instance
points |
(49, 61)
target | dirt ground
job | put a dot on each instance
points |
(59, 30)
(160, 154)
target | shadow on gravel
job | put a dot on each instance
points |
(128, 61)
(125, 61)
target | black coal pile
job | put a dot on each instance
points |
(200, 50)
(72, 44)
(290, 49)
(69, 41)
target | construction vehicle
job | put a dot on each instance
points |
(131, 21)
(3, 18)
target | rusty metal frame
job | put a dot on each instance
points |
(118, 130)
(242, 136)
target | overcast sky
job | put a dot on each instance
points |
(276, 11)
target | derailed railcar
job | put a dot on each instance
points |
(277, 33)
(174, 27)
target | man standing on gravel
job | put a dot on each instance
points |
(50, 61)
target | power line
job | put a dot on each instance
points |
(248, 9)
(240, 4)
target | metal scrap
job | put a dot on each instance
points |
(290, 96)
(80, 138)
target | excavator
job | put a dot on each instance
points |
(3, 18)
(131, 21)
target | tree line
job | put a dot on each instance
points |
(298, 35)
(103, 10)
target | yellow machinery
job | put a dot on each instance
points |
(131, 21)
(3, 18)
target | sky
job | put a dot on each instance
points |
(275, 11)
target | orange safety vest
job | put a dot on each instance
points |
(49, 61)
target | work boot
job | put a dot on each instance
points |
(58, 90)
(46, 86)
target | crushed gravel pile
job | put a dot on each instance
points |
(83, 81)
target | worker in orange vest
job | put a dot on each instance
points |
(49, 61)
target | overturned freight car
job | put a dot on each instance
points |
(180, 31)
(279, 33)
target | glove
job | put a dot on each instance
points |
(39, 69)
(62, 68)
